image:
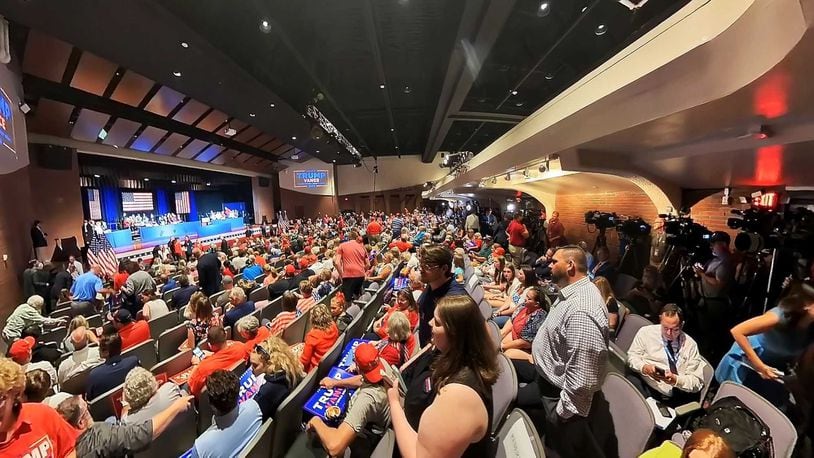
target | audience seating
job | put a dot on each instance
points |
(261, 293)
(504, 391)
(331, 356)
(627, 332)
(272, 309)
(145, 352)
(173, 365)
(288, 419)
(77, 383)
(477, 294)
(160, 324)
(633, 420)
(485, 309)
(471, 282)
(515, 440)
(260, 446)
(95, 321)
(295, 332)
(623, 284)
(494, 332)
(179, 437)
(170, 340)
(62, 312)
(214, 298)
(167, 295)
(102, 406)
(56, 335)
(386, 446)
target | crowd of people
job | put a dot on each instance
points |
(553, 304)
(145, 220)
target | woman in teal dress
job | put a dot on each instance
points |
(767, 344)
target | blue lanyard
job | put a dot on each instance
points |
(672, 357)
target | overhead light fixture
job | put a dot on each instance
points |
(208, 183)
(184, 44)
(293, 138)
(584, 9)
(543, 9)
(173, 181)
(176, 74)
(334, 160)
(513, 91)
(25, 108)
(494, 180)
(96, 175)
(407, 89)
(265, 26)
(230, 131)
(632, 5)
(294, 157)
(549, 76)
(601, 29)
(508, 176)
(381, 86)
(317, 151)
(251, 115)
(543, 167)
(272, 105)
(116, 146)
(392, 130)
(146, 179)
(526, 173)
(102, 134)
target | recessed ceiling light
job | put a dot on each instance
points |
(293, 138)
(317, 151)
(584, 9)
(173, 181)
(96, 175)
(549, 76)
(265, 26)
(184, 44)
(295, 156)
(334, 160)
(208, 183)
(381, 86)
(519, 104)
(102, 134)
(513, 92)
(252, 115)
(544, 9)
(392, 130)
(146, 179)
(272, 105)
(407, 89)
(601, 29)
(176, 74)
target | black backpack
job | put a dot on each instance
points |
(745, 433)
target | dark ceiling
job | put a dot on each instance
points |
(448, 67)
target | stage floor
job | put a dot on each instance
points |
(145, 250)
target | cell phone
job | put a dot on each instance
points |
(198, 353)
(660, 372)
(663, 410)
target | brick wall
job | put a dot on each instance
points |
(572, 210)
(709, 212)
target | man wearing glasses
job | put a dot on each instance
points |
(668, 365)
(436, 272)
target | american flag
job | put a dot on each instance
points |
(182, 202)
(137, 201)
(101, 253)
(94, 206)
(282, 222)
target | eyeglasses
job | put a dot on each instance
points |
(262, 351)
(425, 266)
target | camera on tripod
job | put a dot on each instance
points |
(685, 233)
(602, 220)
(633, 228)
(763, 228)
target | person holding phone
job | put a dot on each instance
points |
(666, 361)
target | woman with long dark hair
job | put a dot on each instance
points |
(527, 279)
(462, 377)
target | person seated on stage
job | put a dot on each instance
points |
(603, 267)
(320, 338)
(251, 332)
(181, 297)
(20, 352)
(154, 306)
(112, 372)
(82, 357)
(368, 406)
(225, 353)
(666, 360)
(202, 318)
(306, 301)
(234, 425)
(252, 270)
(27, 313)
(99, 438)
(142, 398)
(278, 370)
(237, 308)
(131, 331)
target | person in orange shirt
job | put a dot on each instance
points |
(374, 231)
(320, 338)
(225, 353)
(120, 277)
(132, 332)
(28, 428)
(250, 330)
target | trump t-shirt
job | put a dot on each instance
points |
(40, 432)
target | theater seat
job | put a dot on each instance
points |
(55, 335)
(77, 383)
(179, 437)
(477, 294)
(288, 420)
(494, 332)
(504, 391)
(386, 446)
(102, 406)
(170, 340)
(518, 437)
(485, 309)
(162, 323)
(331, 356)
(295, 332)
(260, 446)
(626, 333)
(633, 420)
(145, 352)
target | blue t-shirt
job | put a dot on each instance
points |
(86, 286)
(782, 342)
(252, 272)
(230, 433)
(171, 284)
(237, 313)
(109, 375)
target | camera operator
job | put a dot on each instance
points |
(716, 278)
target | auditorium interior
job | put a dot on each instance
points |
(530, 149)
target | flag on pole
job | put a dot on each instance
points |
(182, 202)
(282, 223)
(94, 205)
(100, 252)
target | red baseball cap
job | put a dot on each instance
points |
(290, 269)
(21, 349)
(367, 362)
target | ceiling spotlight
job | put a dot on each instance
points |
(601, 29)
(494, 180)
(116, 146)
(381, 86)
(334, 160)
(176, 74)
(173, 181)
(230, 131)
(549, 76)
(251, 115)
(96, 175)
(317, 151)
(294, 157)
(513, 91)
(184, 44)
(526, 173)
(102, 134)
(24, 107)
(208, 183)
(146, 179)
(272, 105)
(508, 176)
(407, 89)
(544, 9)
(293, 138)
(392, 130)
(265, 26)
(543, 167)
(584, 9)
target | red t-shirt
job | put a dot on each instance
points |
(515, 231)
(401, 245)
(519, 322)
(411, 315)
(263, 333)
(119, 280)
(374, 228)
(392, 352)
(134, 334)
(354, 259)
(317, 343)
(223, 359)
(39, 432)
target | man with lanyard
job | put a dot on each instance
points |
(716, 277)
(436, 272)
(570, 351)
(666, 360)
